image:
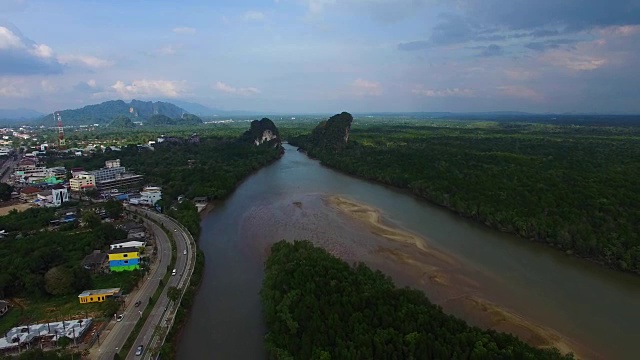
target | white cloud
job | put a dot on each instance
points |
(363, 87)
(168, 50)
(9, 40)
(41, 51)
(246, 91)
(184, 30)
(47, 86)
(448, 92)
(142, 89)
(253, 16)
(85, 60)
(12, 88)
(317, 6)
(520, 92)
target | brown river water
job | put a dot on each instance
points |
(490, 279)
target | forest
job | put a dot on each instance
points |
(316, 306)
(211, 167)
(573, 187)
(43, 264)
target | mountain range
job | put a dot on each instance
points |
(19, 114)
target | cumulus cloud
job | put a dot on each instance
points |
(253, 16)
(448, 92)
(363, 87)
(141, 89)
(184, 30)
(85, 61)
(22, 56)
(13, 88)
(245, 91)
(522, 92)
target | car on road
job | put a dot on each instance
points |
(139, 350)
(173, 272)
(175, 229)
(120, 317)
(184, 252)
(138, 303)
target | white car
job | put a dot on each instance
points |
(184, 252)
(173, 273)
(119, 318)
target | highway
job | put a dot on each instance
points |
(163, 312)
(116, 338)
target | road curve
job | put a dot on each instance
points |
(164, 309)
(116, 338)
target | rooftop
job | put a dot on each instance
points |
(100, 292)
(124, 250)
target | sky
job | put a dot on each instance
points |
(310, 56)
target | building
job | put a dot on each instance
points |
(29, 193)
(119, 181)
(109, 164)
(150, 195)
(124, 259)
(60, 195)
(105, 174)
(36, 335)
(128, 244)
(4, 307)
(89, 296)
(82, 181)
(95, 261)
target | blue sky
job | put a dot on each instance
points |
(324, 55)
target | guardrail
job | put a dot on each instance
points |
(162, 329)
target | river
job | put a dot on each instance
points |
(487, 277)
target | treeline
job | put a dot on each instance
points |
(318, 307)
(211, 168)
(40, 264)
(575, 188)
(187, 214)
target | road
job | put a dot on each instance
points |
(164, 309)
(121, 330)
(10, 163)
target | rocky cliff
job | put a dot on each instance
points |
(332, 134)
(262, 131)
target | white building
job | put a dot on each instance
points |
(128, 243)
(112, 163)
(150, 195)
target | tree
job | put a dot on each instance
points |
(91, 219)
(113, 209)
(109, 307)
(58, 281)
(173, 293)
(5, 191)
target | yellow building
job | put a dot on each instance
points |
(82, 181)
(126, 253)
(89, 296)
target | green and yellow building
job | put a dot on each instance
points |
(124, 259)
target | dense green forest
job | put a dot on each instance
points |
(574, 187)
(212, 168)
(318, 307)
(41, 264)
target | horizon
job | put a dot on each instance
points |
(312, 56)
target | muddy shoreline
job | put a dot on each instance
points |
(459, 293)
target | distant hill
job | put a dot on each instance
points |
(106, 112)
(19, 114)
(163, 120)
(197, 109)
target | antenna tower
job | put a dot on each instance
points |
(61, 143)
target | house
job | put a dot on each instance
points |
(4, 307)
(89, 296)
(128, 244)
(124, 259)
(136, 234)
(132, 226)
(95, 261)
(29, 193)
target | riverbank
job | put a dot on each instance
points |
(460, 293)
